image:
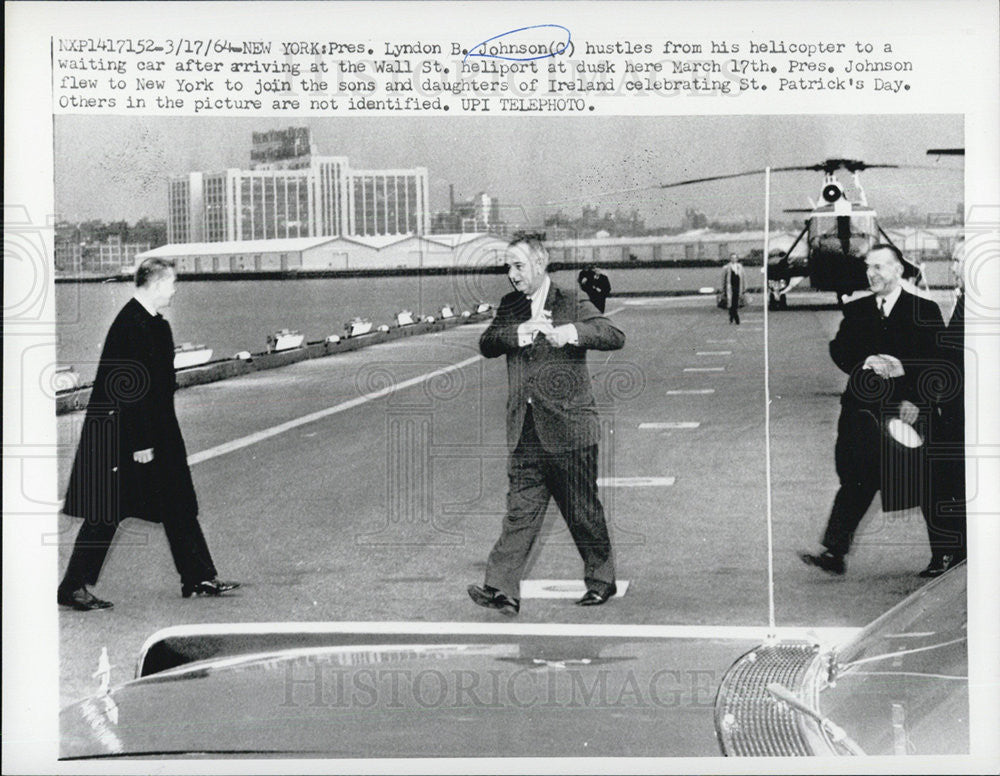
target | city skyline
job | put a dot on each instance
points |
(535, 166)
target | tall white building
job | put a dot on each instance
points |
(292, 192)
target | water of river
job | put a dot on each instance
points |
(233, 315)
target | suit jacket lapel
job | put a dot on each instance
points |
(520, 310)
(903, 302)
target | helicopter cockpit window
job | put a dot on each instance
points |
(831, 225)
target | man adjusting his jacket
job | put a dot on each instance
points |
(545, 330)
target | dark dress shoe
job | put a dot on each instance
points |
(212, 587)
(828, 561)
(491, 598)
(595, 598)
(938, 566)
(82, 600)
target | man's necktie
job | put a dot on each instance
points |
(881, 308)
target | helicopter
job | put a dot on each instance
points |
(838, 233)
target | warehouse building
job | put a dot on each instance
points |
(314, 254)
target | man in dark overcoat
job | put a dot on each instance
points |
(596, 285)
(545, 331)
(947, 453)
(131, 461)
(887, 344)
(734, 289)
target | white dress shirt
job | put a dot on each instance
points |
(887, 302)
(541, 319)
(146, 306)
(541, 322)
(538, 301)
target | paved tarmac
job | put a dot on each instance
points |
(385, 509)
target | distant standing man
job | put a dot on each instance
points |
(733, 287)
(131, 461)
(595, 285)
(885, 344)
(552, 426)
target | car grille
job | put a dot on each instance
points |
(749, 721)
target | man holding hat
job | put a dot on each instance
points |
(887, 344)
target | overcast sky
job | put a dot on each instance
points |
(114, 168)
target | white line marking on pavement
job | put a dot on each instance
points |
(824, 635)
(714, 353)
(562, 588)
(671, 424)
(635, 482)
(660, 301)
(267, 433)
(704, 369)
(690, 391)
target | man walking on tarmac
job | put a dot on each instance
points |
(131, 461)
(886, 344)
(545, 330)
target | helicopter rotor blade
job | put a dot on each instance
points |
(828, 166)
(672, 185)
(710, 178)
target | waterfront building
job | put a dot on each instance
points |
(292, 192)
(341, 254)
(701, 245)
(479, 214)
(109, 257)
(68, 256)
(116, 256)
(474, 251)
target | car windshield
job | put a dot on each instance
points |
(901, 686)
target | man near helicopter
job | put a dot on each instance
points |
(886, 344)
(733, 288)
(596, 285)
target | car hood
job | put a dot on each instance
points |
(481, 695)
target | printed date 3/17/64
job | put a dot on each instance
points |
(167, 46)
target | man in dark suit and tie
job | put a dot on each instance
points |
(131, 461)
(886, 344)
(545, 331)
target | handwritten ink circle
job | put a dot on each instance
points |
(554, 49)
